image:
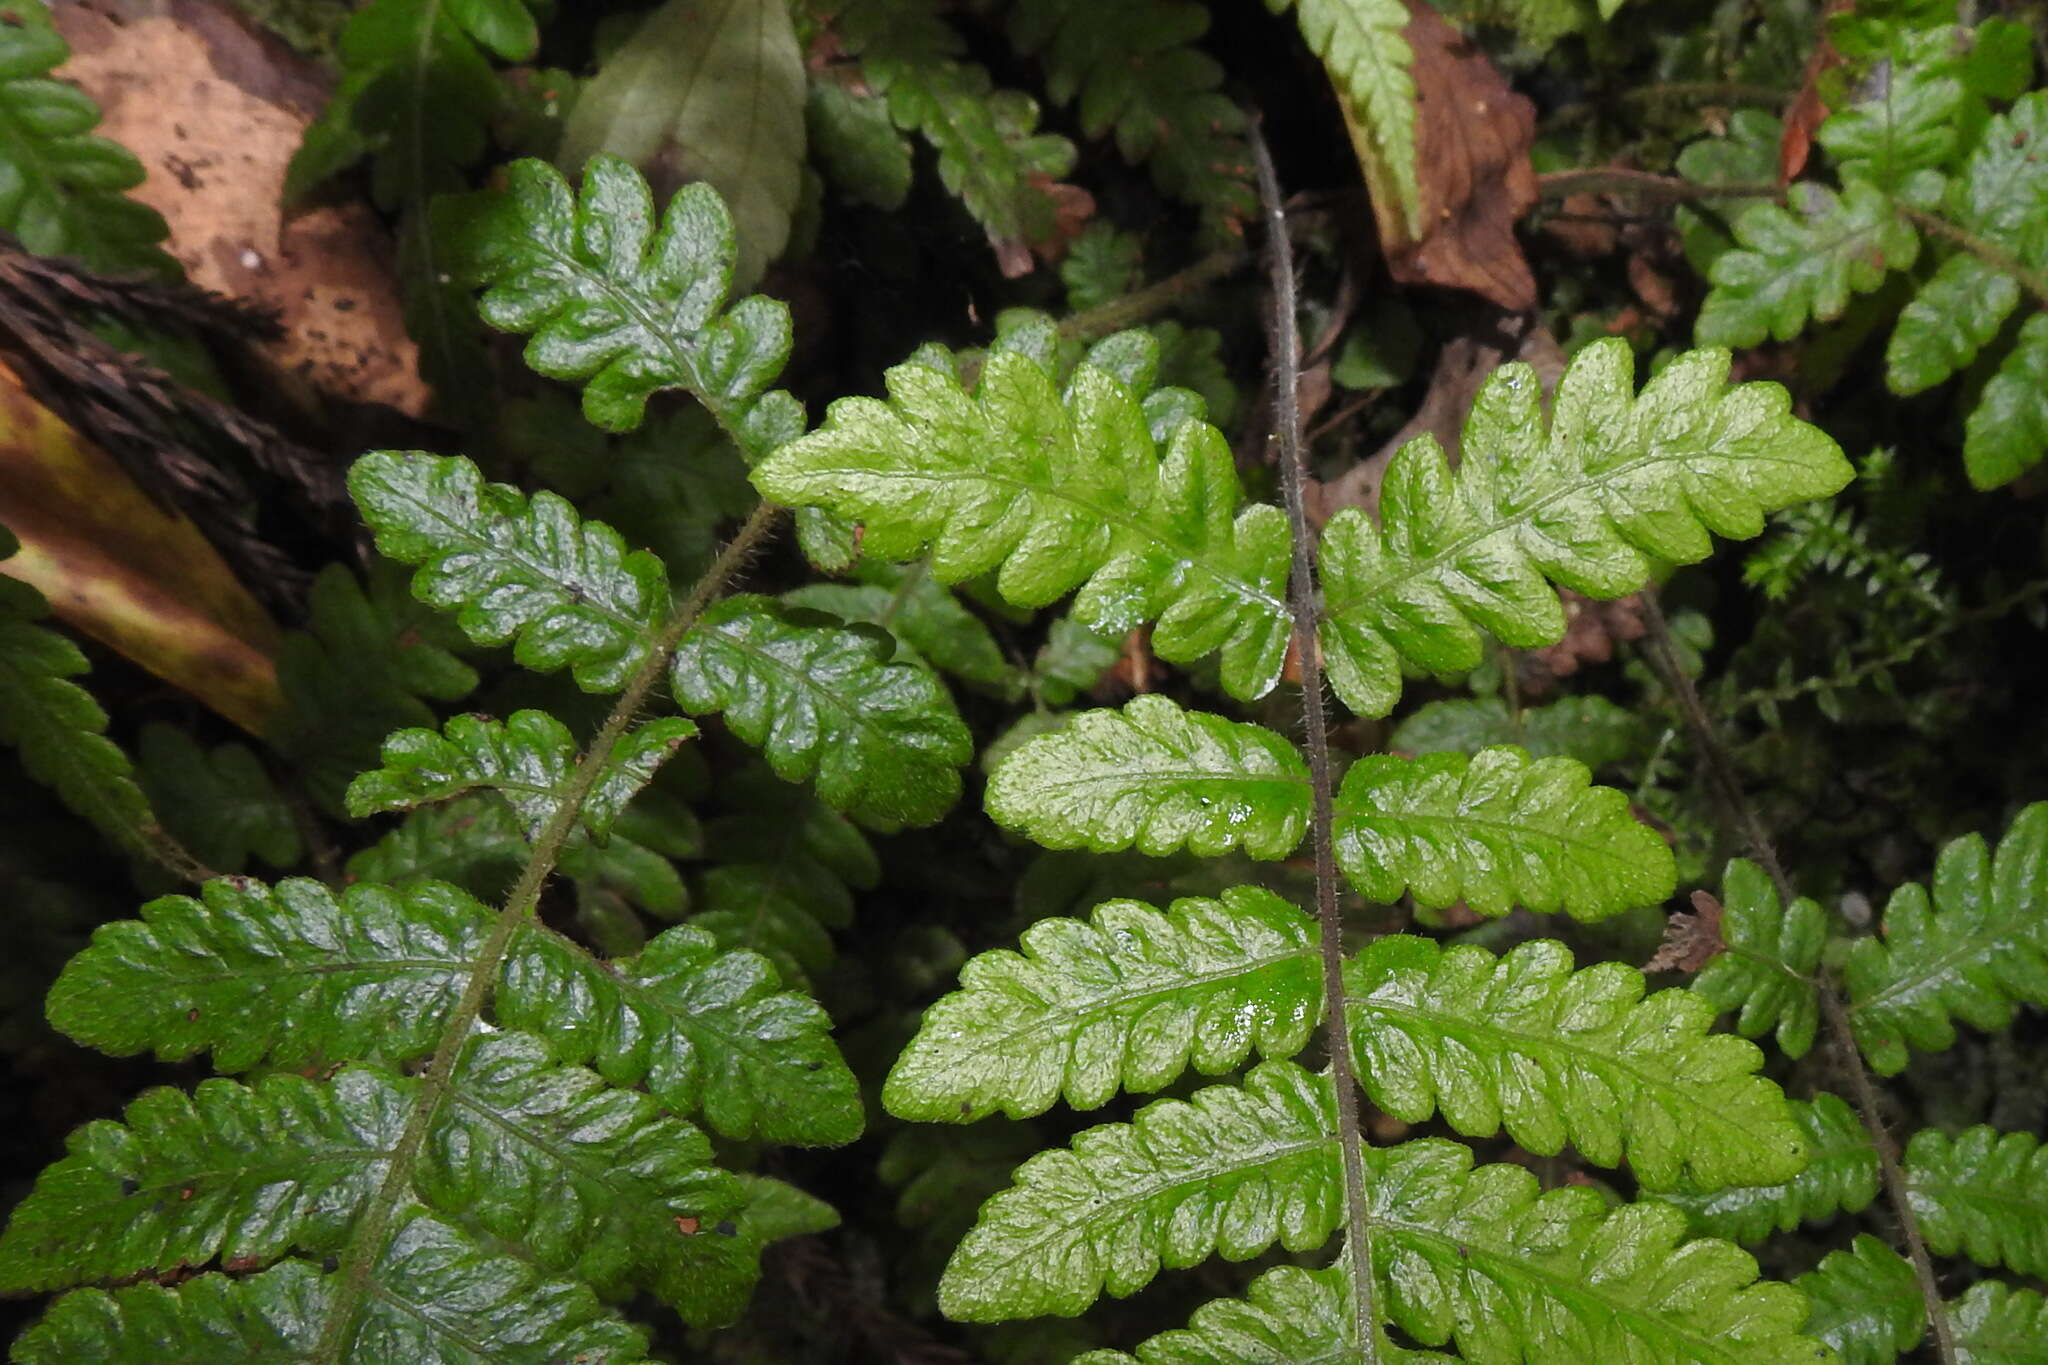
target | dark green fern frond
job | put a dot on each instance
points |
(61, 187)
(1134, 73)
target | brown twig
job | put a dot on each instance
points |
(1286, 347)
(1720, 770)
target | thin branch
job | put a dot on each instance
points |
(1989, 252)
(1301, 596)
(1136, 306)
(366, 1244)
(1621, 180)
(1720, 767)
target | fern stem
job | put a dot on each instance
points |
(1141, 304)
(1621, 180)
(1992, 254)
(1286, 347)
(366, 1243)
(1721, 773)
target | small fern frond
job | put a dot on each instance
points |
(235, 1173)
(1997, 198)
(432, 1286)
(1496, 830)
(707, 1031)
(61, 186)
(990, 152)
(1975, 950)
(221, 804)
(417, 94)
(1996, 1324)
(1611, 482)
(1982, 1194)
(1158, 778)
(822, 702)
(1866, 1303)
(55, 724)
(1134, 72)
(1128, 1000)
(1368, 58)
(565, 591)
(1771, 966)
(1231, 1171)
(1513, 1275)
(1801, 263)
(1840, 1176)
(291, 973)
(1057, 490)
(1554, 1056)
(625, 302)
(527, 759)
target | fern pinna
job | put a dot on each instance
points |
(446, 1132)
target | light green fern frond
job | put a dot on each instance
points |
(1589, 499)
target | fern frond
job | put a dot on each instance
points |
(587, 1179)
(1975, 951)
(1496, 830)
(1840, 1176)
(928, 621)
(708, 1032)
(1552, 1055)
(1158, 778)
(416, 95)
(1361, 44)
(1906, 128)
(1802, 262)
(370, 659)
(1480, 1257)
(1996, 197)
(55, 724)
(60, 185)
(1057, 490)
(439, 1299)
(1591, 729)
(1231, 1171)
(528, 759)
(989, 150)
(772, 910)
(1983, 1194)
(1866, 1303)
(1996, 1324)
(474, 842)
(624, 302)
(1612, 481)
(235, 1173)
(220, 804)
(1127, 1000)
(821, 702)
(1288, 1316)
(1134, 72)
(2006, 434)
(290, 973)
(565, 591)
(1772, 963)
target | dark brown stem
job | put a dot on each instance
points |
(1301, 597)
(1619, 180)
(1721, 774)
(1992, 254)
(366, 1243)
